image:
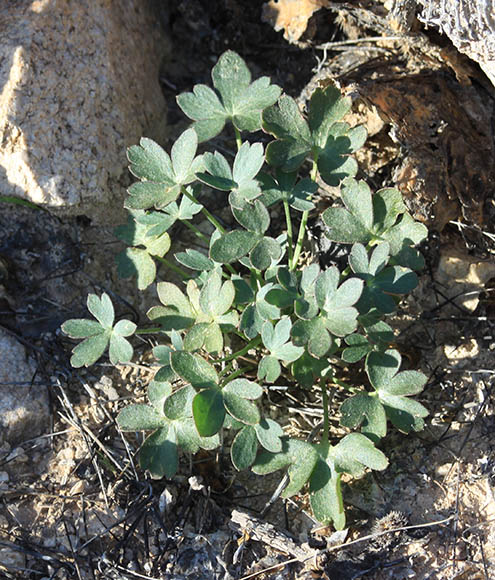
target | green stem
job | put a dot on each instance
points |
(238, 138)
(173, 267)
(149, 330)
(288, 221)
(241, 352)
(235, 374)
(194, 229)
(304, 223)
(326, 421)
(300, 240)
(210, 217)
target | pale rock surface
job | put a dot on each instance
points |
(78, 85)
(463, 277)
(24, 411)
(470, 25)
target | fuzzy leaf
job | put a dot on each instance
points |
(137, 262)
(101, 309)
(285, 189)
(159, 453)
(269, 433)
(146, 194)
(307, 368)
(90, 350)
(266, 251)
(269, 369)
(140, 418)
(367, 412)
(193, 369)
(234, 98)
(189, 439)
(244, 388)
(286, 122)
(244, 447)
(232, 246)
(241, 409)
(312, 334)
(182, 155)
(120, 350)
(328, 141)
(299, 456)
(216, 298)
(81, 328)
(179, 404)
(158, 391)
(253, 216)
(355, 452)
(149, 161)
(207, 335)
(325, 495)
(394, 387)
(195, 260)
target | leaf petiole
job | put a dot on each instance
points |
(241, 352)
(304, 223)
(238, 138)
(326, 422)
(209, 216)
(173, 267)
(288, 221)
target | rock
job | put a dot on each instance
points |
(463, 277)
(470, 26)
(79, 85)
(24, 411)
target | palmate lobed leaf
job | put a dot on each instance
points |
(284, 188)
(99, 334)
(300, 457)
(149, 161)
(162, 175)
(352, 455)
(394, 387)
(367, 412)
(382, 216)
(235, 99)
(322, 136)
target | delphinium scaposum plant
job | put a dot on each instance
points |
(250, 312)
